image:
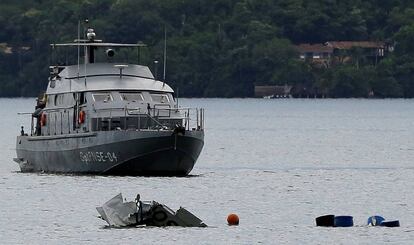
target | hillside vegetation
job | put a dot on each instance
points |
(218, 48)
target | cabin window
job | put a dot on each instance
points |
(82, 98)
(59, 99)
(50, 99)
(160, 98)
(102, 97)
(132, 97)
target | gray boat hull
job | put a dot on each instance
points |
(145, 152)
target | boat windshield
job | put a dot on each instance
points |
(160, 98)
(132, 97)
(102, 97)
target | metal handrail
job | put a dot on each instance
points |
(155, 114)
(155, 120)
(192, 118)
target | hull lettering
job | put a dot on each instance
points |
(98, 156)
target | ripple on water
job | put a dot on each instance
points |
(294, 160)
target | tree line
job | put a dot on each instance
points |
(218, 48)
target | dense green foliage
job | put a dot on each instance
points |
(218, 48)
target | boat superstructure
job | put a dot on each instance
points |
(109, 118)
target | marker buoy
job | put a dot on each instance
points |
(325, 220)
(375, 220)
(233, 219)
(343, 221)
(394, 223)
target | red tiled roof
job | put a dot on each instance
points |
(351, 44)
(314, 48)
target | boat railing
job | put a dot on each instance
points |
(31, 122)
(123, 118)
(155, 118)
(56, 124)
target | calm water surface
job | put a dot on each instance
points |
(278, 164)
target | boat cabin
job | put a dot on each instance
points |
(104, 96)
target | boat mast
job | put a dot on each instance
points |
(78, 46)
(165, 55)
(91, 49)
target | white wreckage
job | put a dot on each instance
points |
(118, 213)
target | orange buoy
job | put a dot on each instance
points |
(233, 219)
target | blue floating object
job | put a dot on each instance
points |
(325, 220)
(375, 220)
(393, 223)
(343, 221)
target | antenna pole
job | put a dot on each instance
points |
(165, 55)
(178, 96)
(86, 49)
(78, 47)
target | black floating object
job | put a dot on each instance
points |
(325, 220)
(343, 221)
(393, 223)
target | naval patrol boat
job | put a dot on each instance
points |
(109, 118)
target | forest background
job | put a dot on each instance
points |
(218, 48)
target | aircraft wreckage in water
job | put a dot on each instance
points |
(118, 213)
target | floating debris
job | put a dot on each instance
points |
(375, 220)
(393, 223)
(347, 221)
(343, 221)
(325, 220)
(380, 221)
(118, 213)
(334, 221)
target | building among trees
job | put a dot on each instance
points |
(341, 52)
(316, 53)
